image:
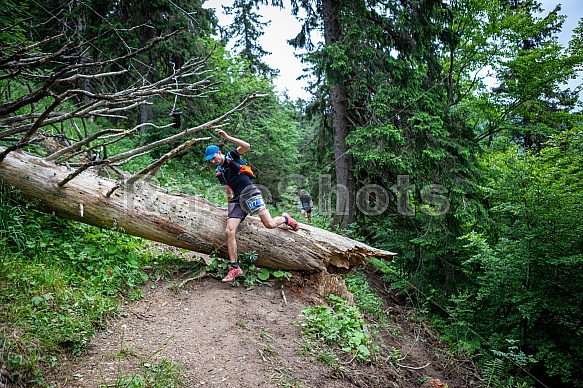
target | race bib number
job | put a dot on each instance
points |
(253, 204)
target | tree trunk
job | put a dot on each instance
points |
(179, 220)
(346, 187)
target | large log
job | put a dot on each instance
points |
(179, 220)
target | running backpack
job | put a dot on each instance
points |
(239, 165)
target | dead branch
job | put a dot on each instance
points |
(414, 367)
(201, 275)
(115, 138)
(69, 72)
(158, 163)
(81, 143)
(34, 128)
(71, 68)
(187, 132)
(71, 62)
(80, 170)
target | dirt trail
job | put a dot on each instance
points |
(228, 336)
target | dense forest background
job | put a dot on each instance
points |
(402, 145)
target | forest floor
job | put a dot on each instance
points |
(225, 336)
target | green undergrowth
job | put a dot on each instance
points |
(60, 282)
(252, 275)
(163, 374)
(342, 327)
(365, 298)
(339, 326)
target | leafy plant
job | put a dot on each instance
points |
(342, 325)
(252, 275)
(164, 374)
(327, 357)
(265, 334)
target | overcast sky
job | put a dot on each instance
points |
(284, 26)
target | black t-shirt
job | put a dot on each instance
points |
(230, 172)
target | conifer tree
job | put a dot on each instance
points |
(246, 30)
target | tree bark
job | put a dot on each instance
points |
(345, 213)
(153, 213)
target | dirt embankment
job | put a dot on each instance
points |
(228, 336)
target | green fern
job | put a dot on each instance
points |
(494, 372)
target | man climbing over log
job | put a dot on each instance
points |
(243, 196)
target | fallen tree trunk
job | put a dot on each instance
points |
(153, 213)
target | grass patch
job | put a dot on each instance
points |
(60, 281)
(366, 300)
(164, 374)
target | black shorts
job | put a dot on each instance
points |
(308, 209)
(250, 201)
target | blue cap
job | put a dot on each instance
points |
(211, 151)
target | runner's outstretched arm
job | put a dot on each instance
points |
(243, 146)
